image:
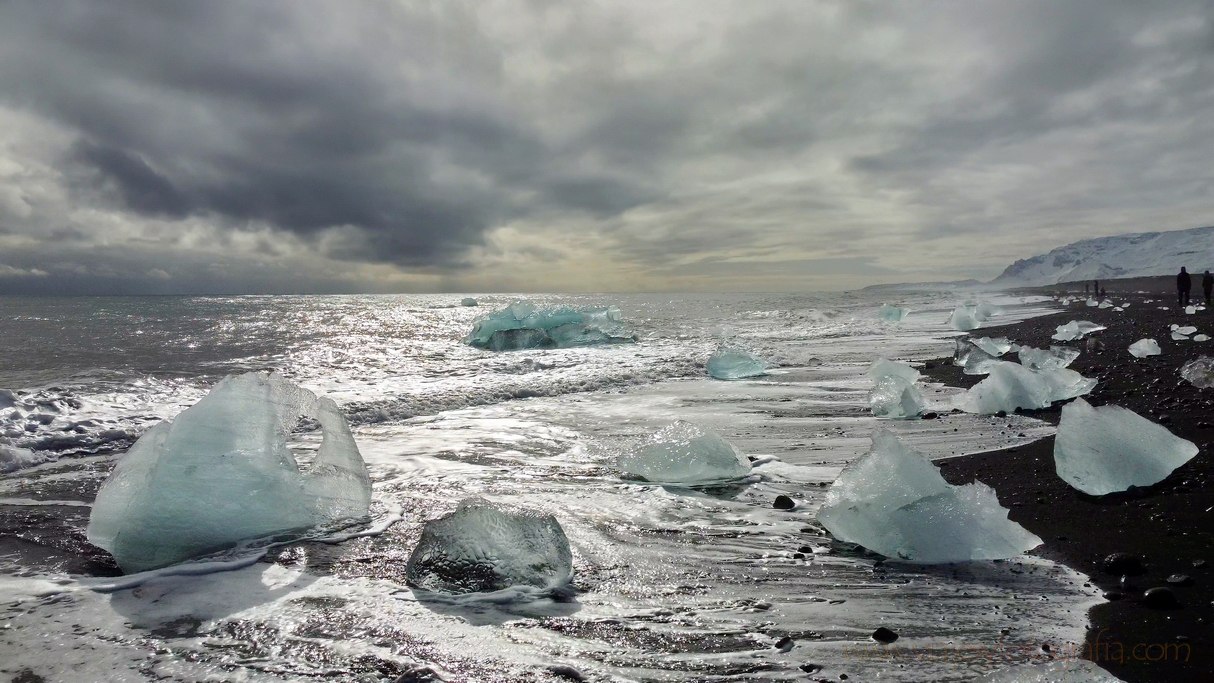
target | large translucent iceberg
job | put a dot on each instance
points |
(1199, 372)
(893, 501)
(1053, 358)
(221, 473)
(485, 547)
(1010, 386)
(685, 453)
(994, 346)
(1145, 347)
(1062, 671)
(522, 326)
(893, 314)
(1110, 448)
(1076, 329)
(894, 394)
(733, 363)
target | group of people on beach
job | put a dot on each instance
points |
(1184, 283)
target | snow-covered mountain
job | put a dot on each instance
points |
(1134, 255)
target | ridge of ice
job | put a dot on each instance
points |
(1145, 347)
(523, 326)
(482, 547)
(893, 501)
(730, 362)
(1010, 386)
(684, 453)
(221, 473)
(1110, 448)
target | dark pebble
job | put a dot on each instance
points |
(810, 668)
(1123, 563)
(930, 416)
(807, 549)
(567, 672)
(1160, 597)
(783, 502)
(884, 635)
(1113, 596)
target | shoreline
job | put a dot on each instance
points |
(1169, 525)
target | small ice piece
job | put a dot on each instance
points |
(522, 326)
(1061, 671)
(1199, 373)
(893, 314)
(1092, 302)
(995, 347)
(484, 547)
(1190, 310)
(1118, 309)
(1010, 386)
(468, 301)
(1201, 337)
(221, 473)
(1107, 449)
(963, 319)
(1053, 358)
(893, 501)
(1145, 347)
(1076, 329)
(684, 453)
(730, 362)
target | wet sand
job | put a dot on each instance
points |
(1170, 525)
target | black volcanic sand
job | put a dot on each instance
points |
(1168, 526)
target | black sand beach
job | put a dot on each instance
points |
(1168, 527)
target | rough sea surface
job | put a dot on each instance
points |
(670, 584)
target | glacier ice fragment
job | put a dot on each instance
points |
(221, 473)
(1010, 386)
(894, 397)
(1092, 302)
(1145, 347)
(1052, 358)
(883, 367)
(893, 314)
(1110, 448)
(1076, 329)
(522, 326)
(963, 319)
(893, 501)
(483, 547)
(734, 363)
(1199, 372)
(995, 347)
(684, 453)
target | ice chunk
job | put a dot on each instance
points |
(892, 314)
(221, 473)
(1199, 373)
(468, 301)
(995, 347)
(1053, 358)
(1076, 329)
(13, 458)
(894, 397)
(1092, 302)
(485, 547)
(1145, 347)
(1190, 310)
(733, 363)
(887, 368)
(522, 326)
(893, 501)
(1105, 304)
(684, 453)
(963, 319)
(1201, 337)
(1186, 330)
(1107, 449)
(1010, 386)
(1062, 671)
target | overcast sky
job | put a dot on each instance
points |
(545, 145)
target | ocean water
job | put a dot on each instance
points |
(672, 584)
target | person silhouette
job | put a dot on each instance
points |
(1207, 284)
(1183, 284)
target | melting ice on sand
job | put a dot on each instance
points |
(522, 326)
(1110, 448)
(894, 394)
(1053, 358)
(733, 363)
(685, 453)
(485, 547)
(1009, 386)
(1199, 372)
(893, 501)
(1076, 329)
(1145, 347)
(892, 314)
(221, 473)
